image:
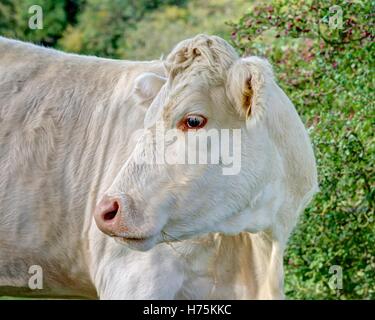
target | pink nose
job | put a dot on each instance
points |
(108, 216)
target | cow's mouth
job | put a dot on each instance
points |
(137, 243)
(132, 240)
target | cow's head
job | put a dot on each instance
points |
(162, 193)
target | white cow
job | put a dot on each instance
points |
(74, 132)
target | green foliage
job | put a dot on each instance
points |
(140, 30)
(97, 27)
(14, 20)
(104, 25)
(328, 74)
(160, 30)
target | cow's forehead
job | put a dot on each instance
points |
(176, 96)
(188, 89)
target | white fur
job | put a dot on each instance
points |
(67, 127)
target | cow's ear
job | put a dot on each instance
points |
(147, 86)
(245, 86)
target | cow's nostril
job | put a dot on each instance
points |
(111, 214)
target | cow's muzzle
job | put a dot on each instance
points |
(115, 217)
(108, 216)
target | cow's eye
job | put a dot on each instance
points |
(194, 121)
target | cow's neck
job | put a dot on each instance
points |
(223, 267)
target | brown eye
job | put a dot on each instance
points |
(193, 121)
